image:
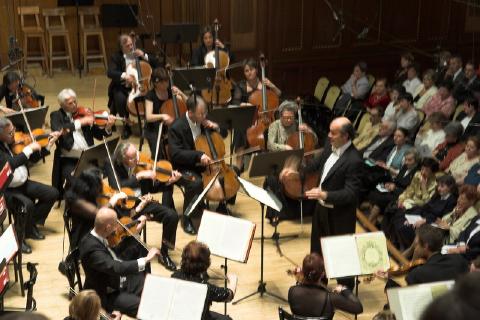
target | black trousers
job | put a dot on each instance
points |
(127, 299)
(120, 97)
(38, 199)
(192, 188)
(166, 216)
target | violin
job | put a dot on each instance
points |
(108, 192)
(24, 139)
(221, 93)
(100, 116)
(226, 185)
(120, 233)
(27, 97)
(396, 271)
(267, 102)
(142, 72)
(163, 168)
(173, 107)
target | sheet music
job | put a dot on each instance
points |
(226, 236)
(164, 299)
(8, 244)
(413, 218)
(340, 256)
(261, 195)
(372, 252)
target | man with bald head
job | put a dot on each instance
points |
(340, 168)
(118, 283)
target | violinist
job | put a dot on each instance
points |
(12, 83)
(121, 83)
(118, 282)
(207, 44)
(38, 198)
(187, 160)
(81, 132)
(311, 298)
(143, 182)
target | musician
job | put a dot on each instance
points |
(311, 298)
(207, 44)
(153, 102)
(38, 198)
(118, 283)
(121, 83)
(278, 134)
(143, 182)
(339, 166)
(86, 305)
(12, 83)
(194, 265)
(79, 137)
(187, 160)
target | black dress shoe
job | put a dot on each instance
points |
(166, 261)
(35, 234)
(26, 249)
(127, 132)
(188, 227)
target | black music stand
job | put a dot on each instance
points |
(198, 77)
(95, 156)
(233, 118)
(178, 34)
(35, 117)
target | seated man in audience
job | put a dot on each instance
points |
(470, 117)
(38, 198)
(442, 101)
(118, 283)
(454, 71)
(370, 130)
(470, 84)
(382, 144)
(413, 82)
(427, 140)
(406, 115)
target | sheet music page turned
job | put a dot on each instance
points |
(226, 236)
(372, 252)
(164, 299)
(8, 244)
(340, 256)
(261, 195)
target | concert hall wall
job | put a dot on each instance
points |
(299, 36)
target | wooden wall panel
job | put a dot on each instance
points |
(401, 20)
(324, 27)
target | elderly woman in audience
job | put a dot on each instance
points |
(427, 140)
(412, 83)
(406, 116)
(395, 91)
(311, 298)
(442, 101)
(442, 202)
(379, 97)
(426, 90)
(386, 192)
(462, 164)
(452, 147)
(457, 220)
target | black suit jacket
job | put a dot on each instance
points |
(438, 268)
(464, 88)
(382, 151)
(101, 270)
(117, 66)
(473, 245)
(9, 97)
(182, 147)
(20, 159)
(473, 127)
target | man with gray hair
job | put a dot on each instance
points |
(78, 136)
(36, 197)
(382, 144)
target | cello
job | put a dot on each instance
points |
(226, 185)
(141, 71)
(221, 93)
(267, 102)
(173, 107)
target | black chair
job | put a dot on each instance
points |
(284, 315)
(70, 266)
(31, 304)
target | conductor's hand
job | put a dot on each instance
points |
(152, 253)
(316, 194)
(205, 160)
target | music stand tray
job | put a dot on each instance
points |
(199, 77)
(271, 163)
(233, 117)
(95, 156)
(179, 33)
(35, 117)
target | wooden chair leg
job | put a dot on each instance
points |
(69, 49)
(102, 47)
(85, 52)
(50, 53)
(45, 54)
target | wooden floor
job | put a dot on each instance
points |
(51, 288)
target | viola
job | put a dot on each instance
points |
(100, 116)
(221, 93)
(120, 232)
(163, 168)
(267, 102)
(27, 97)
(108, 192)
(23, 139)
(226, 185)
(81, 112)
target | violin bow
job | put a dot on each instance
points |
(94, 91)
(111, 164)
(25, 117)
(160, 129)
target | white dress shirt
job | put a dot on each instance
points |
(333, 158)
(79, 142)
(195, 128)
(20, 175)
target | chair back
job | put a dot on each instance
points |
(457, 111)
(284, 315)
(89, 17)
(332, 96)
(321, 88)
(364, 119)
(371, 80)
(71, 266)
(29, 17)
(54, 18)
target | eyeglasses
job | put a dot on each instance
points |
(12, 132)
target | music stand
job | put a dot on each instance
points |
(233, 118)
(198, 77)
(95, 156)
(178, 34)
(35, 117)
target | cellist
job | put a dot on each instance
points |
(207, 44)
(121, 83)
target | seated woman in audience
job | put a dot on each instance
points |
(395, 158)
(406, 60)
(462, 164)
(451, 148)
(412, 83)
(386, 192)
(379, 97)
(354, 89)
(457, 220)
(311, 298)
(370, 129)
(442, 202)
(473, 176)
(194, 265)
(395, 91)
(442, 101)
(426, 90)
(420, 190)
(427, 140)
(468, 242)
(86, 306)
